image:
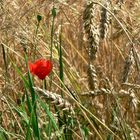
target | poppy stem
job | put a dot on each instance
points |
(44, 84)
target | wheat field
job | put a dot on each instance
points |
(92, 92)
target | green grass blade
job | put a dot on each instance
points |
(34, 118)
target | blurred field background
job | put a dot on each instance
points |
(98, 103)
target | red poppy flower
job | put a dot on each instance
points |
(41, 68)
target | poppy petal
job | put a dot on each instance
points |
(41, 68)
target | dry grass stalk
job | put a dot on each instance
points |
(105, 20)
(128, 63)
(55, 99)
(91, 29)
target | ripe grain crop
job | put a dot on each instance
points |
(92, 90)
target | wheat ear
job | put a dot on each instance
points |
(92, 78)
(130, 94)
(136, 56)
(91, 29)
(128, 63)
(55, 99)
(130, 85)
(105, 19)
